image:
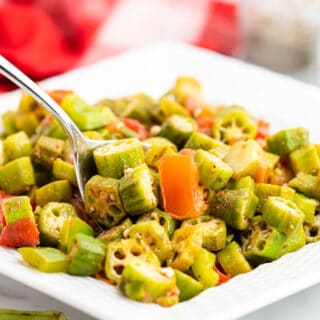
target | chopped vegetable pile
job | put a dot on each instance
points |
(214, 195)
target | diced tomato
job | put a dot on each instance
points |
(262, 175)
(192, 104)
(136, 126)
(58, 95)
(263, 129)
(205, 119)
(222, 276)
(21, 233)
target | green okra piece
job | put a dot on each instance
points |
(103, 202)
(186, 243)
(186, 87)
(117, 106)
(270, 160)
(8, 314)
(199, 140)
(29, 104)
(312, 230)
(163, 218)
(306, 184)
(307, 205)
(51, 219)
(232, 260)
(51, 129)
(8, 122)
(16, 208)
(178, 129)
(154, 235)
(70, 228)
(94, 135)
(203, 268)
(261, 243)
(287, 140)
(2, 156)
(86, 117)
(245, 183)
(63, 170)
(45, 259)
(214, 173)
(283, 215)
(244, 158)
(136, 190)
(22, 171)
(265, 190)
(145, 282)
(120, 252)
(234, 124)
(56, 191)
(159, 147)
(305, 159)
(86, 255)
(293, 242)
(188, 286)
(46, 150)
(17, 145)
(214, 231)
(111, 160)
(26, 121)
(235, 207)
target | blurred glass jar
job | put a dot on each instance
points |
(280, 34)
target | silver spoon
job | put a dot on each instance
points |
(82, 146)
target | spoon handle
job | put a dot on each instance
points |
(25, 83)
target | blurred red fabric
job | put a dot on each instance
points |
(48, 37)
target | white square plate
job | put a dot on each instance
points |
(282, 101)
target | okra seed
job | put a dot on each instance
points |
(118, 269)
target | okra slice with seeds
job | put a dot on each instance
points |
(63, 170)
(293, 242)
(22, 171)
(306, 184)
(56, 191)
(120, 252)
(287, 140)
(46, 150)
(111, 160)
(163, 218)
(188, 286)
(51, 219)
(102, 201)
(307, 205)
(136, 190)
(305, 159)
(312, 230)
(214, 173)
(145, 282)
(17, 145)
(154, 235)
(86, 255)
(261, 243)
(178, 129)
(235, 207)
(283, 215)
(232, 260)
(45, 259)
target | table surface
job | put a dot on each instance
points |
(303, 305)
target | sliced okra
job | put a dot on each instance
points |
(46, 150)
(232, 260)
(22, 171)
(265, 190)
(51, 219)
(56, 191)
(8, 122)
(202, 141)
(178, 129)
(102, 200)
(16, 145)
(287, 140)
(163, 218)
(120, 252)
(86, 255)
(94, 135)
(187, 87)
(261, 243)
(86, 117)
(245, 183)
(26, 121)
(111, 160)
(63, 170)
(293, 242)
(45, 259)
(155, 236)
(214, 173)
(235, 207)
(307, 206)
(16, 208)
(270, 160)
(283, 215)
(244, 158)
(136, 190)
(188, 286)
(305, 159)
(312, 230)
(306, 184)
(70, 228)
(145, 282)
